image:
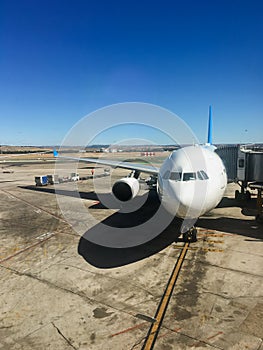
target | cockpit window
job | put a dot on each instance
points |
(189, 176)
(176, 176)
(202, 175)
(166, 175)
(179, 176)
(205, 176)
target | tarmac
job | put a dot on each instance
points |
(62, 291)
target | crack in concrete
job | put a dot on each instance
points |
(182, 334)
(259, 346)
(79, 294)
(50, 284)
(220, 295)
(228, 269)
(193, 338)
(110, 278)
(119, 310)
(245, 253)
(137, 343)
(64, 337)
(34, 331)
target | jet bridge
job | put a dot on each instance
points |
(249, 168)
(244, 165)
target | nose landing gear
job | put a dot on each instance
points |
(190, 235)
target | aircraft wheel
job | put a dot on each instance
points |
(190, 236)
(194, 235)
(186, 236)
(259, 218)
(248, 196)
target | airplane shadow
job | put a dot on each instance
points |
(83, 195)
(108, 198)
(102, 256)
(62, 192)
(247, 228)
(106, 257)
(232, 202)
(228, 202)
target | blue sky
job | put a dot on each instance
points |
(61, 60)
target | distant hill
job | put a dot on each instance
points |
(6, 149)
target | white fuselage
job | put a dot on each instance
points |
(191, 181)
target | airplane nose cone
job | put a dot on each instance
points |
(190, 204)
(186, 207)
(184, 204)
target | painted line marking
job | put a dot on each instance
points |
(141, 325)
(42, 210)
(176, 330)
(216, 250)
(26, 248)
(195, 344)
(155, 327)
(213, 250)
(215, 335)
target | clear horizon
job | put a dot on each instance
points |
(131, 145)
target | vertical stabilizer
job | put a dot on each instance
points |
(210, 126)
(209, 144)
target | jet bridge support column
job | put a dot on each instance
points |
(259, 216)
(259, 187)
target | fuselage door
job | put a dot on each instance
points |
(241, 165)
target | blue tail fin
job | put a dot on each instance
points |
(210, 126)
(209, 144)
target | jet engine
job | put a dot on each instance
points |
(126, 188)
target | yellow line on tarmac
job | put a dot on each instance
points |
(153, 332)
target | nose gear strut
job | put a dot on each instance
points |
(190, 235)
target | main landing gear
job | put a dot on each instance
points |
(190, 235)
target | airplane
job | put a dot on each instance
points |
(190, 182)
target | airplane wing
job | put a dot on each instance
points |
(114, 164)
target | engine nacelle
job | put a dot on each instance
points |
(126, 188)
